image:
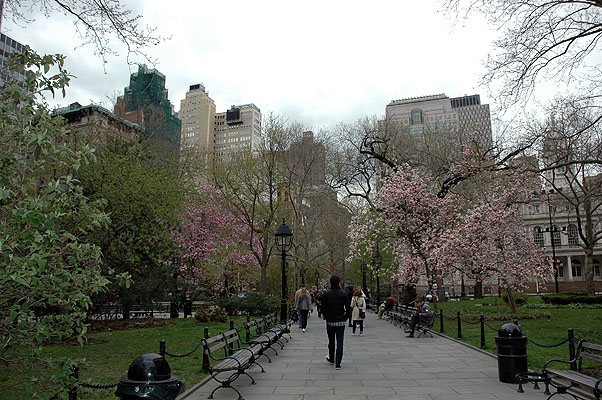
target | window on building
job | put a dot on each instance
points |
(538, 235)
(573, 235)
(556, 235)
(560, 272)
(416, 117)
(597, 271)
(576, 268)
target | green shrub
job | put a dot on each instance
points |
(506, 316)
(571, 298)
(519, 298)
(211, 313)
(254, 304)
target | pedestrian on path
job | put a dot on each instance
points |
(297, 293)
(336, 310)
(358, 305)
(304, 305)
(350, 296)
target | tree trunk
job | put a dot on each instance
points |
(440, 290)
(589, 272)
(511, 301)
(478, 288)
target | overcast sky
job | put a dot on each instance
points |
(316, 62)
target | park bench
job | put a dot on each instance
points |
(236, 360)
(254, 335)
(271, 324)
(401, 316)
(575, 383)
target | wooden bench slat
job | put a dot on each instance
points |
(592, 346)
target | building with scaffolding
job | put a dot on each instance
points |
(145, 102)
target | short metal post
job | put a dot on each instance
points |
(572, 349)
(482, 320)
(205, 355)
(459, 325)
(162, 348)
(75, 376)
(441, 321)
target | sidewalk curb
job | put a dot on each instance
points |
(466, 344)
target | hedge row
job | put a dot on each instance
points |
(570, 298)
(253, 304)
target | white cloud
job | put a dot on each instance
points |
(318, 62)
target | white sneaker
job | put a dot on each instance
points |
(328, 359)
(353, 333)
(303, 330)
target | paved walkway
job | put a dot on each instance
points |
(381, 364)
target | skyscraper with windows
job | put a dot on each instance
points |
(219, 134)
(7, 47)
(464, 116)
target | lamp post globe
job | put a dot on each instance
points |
(284, 237)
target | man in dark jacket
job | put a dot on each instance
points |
(336, 310)
(423, 315)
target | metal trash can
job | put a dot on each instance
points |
(149, 377)
(511, 352)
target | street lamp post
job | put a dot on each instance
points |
(302, 273)
(283, 241)
(376, 262)
(553, 230)
(364, 268)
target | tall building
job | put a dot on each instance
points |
(220, 134)
(8, 46)
(197, 113)
(307, 158)
(462, 116)
(146, 103)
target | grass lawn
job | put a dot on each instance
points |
(586, 323)
(108, 355)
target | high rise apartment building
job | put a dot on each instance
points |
(8, 46)
(220, 134)
(463, 116)
(197, 113)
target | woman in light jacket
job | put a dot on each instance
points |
(358, 303)
(304, 304)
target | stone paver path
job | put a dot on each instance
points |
(381, 364)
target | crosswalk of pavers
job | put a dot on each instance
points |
(381, 364)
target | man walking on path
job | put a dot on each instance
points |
(297, 293)
(336, 310)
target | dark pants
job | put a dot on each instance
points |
(338, 333)
(417, 320)
(304, 314)
(359, 322)
(350, 321)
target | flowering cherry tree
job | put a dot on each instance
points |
(489, 240)
(480, 235)
(216, 246)
(410, 218)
